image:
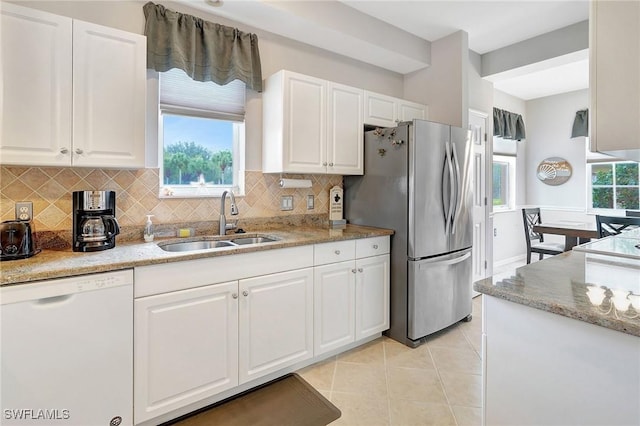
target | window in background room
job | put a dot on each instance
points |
(504, 176)
(201, 136)
(615, 186)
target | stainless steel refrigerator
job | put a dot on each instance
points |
(417, 181)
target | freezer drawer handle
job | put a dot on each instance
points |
(445, 262)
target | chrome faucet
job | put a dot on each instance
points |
(224, 227)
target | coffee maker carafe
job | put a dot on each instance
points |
(94, 220)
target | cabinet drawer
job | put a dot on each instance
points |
(336, 251)
(372, 246)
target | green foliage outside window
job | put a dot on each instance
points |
(615, 186)
(184, 162)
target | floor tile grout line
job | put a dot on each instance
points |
(444, 391)
(386, 379)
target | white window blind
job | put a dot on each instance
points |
(179, 91)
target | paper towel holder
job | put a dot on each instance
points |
(295, 183)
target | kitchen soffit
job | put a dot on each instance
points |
(396, 35)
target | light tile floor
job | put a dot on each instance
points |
(387, 383)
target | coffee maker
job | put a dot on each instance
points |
(94, 220)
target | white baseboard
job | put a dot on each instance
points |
(518, 258)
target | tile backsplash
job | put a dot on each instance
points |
(50, 188)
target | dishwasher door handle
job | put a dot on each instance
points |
(53, 300)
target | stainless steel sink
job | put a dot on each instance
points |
(207, 244)
(196, 245)
(252, 240)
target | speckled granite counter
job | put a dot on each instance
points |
(578, 285)
(61, 263)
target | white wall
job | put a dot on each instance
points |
(443, 86)
(549, 122)
(276, 53)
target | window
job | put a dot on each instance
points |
(201, 136)
(615, 185)
(504, 177)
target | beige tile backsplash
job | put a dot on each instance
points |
(50, 188)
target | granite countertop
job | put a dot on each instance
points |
(579, 285)
(63, 263)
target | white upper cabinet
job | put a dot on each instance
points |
(387, 111)
(74, 92)
(615, 78)
(109, 86)
(311, 125)
(37, 87)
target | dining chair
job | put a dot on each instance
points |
(614, 225)
(531, 217)
(632, 213)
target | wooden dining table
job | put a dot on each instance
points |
(574, 232)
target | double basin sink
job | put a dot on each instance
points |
(207, 243)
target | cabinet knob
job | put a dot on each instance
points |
(353, 271)
(64, 150)
(337, 252)
(324, 164)
(330, 164)
(234, 295)
(245, 293)
(359, 269)
(79, 151)
(375, 247)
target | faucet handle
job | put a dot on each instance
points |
(230, 226)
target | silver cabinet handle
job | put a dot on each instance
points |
(375, 247)
(79, 151)
(353, 271)
(324, 164)
(330, 164)
(64, 150)
(359, 269)
(337, 252)
(245, 293)
(234, 295)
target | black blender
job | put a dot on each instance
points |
(94, 220)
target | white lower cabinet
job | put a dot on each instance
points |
(372, 296)
(206, 326)
(276, 322)
(186, 347)
(351, 297)
(334, 306)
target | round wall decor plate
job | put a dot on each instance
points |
(554, 171)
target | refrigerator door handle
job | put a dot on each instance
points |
(458, 189)
(449, 151)
(446, 169)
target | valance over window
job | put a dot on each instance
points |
(580, 124)
(508, 125)
(205, 51)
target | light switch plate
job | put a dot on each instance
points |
(286, 202)
(310, 202)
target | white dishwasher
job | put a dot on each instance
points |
(67, 351)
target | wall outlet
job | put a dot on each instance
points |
(310, 202)
(24, 210)
(286, 202)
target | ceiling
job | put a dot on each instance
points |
(387, 33)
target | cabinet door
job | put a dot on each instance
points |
(305, 125)
(372, 295)
(407, 111)
(36, 68)
(380, 110)
(109, 85)
(186, 347)
(334, 288)
(615, 76)
(276, 322)
(345, 139)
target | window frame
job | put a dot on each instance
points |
(238, 149)
(607, 211)
(510, 162)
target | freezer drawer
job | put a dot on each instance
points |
(439, 293)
